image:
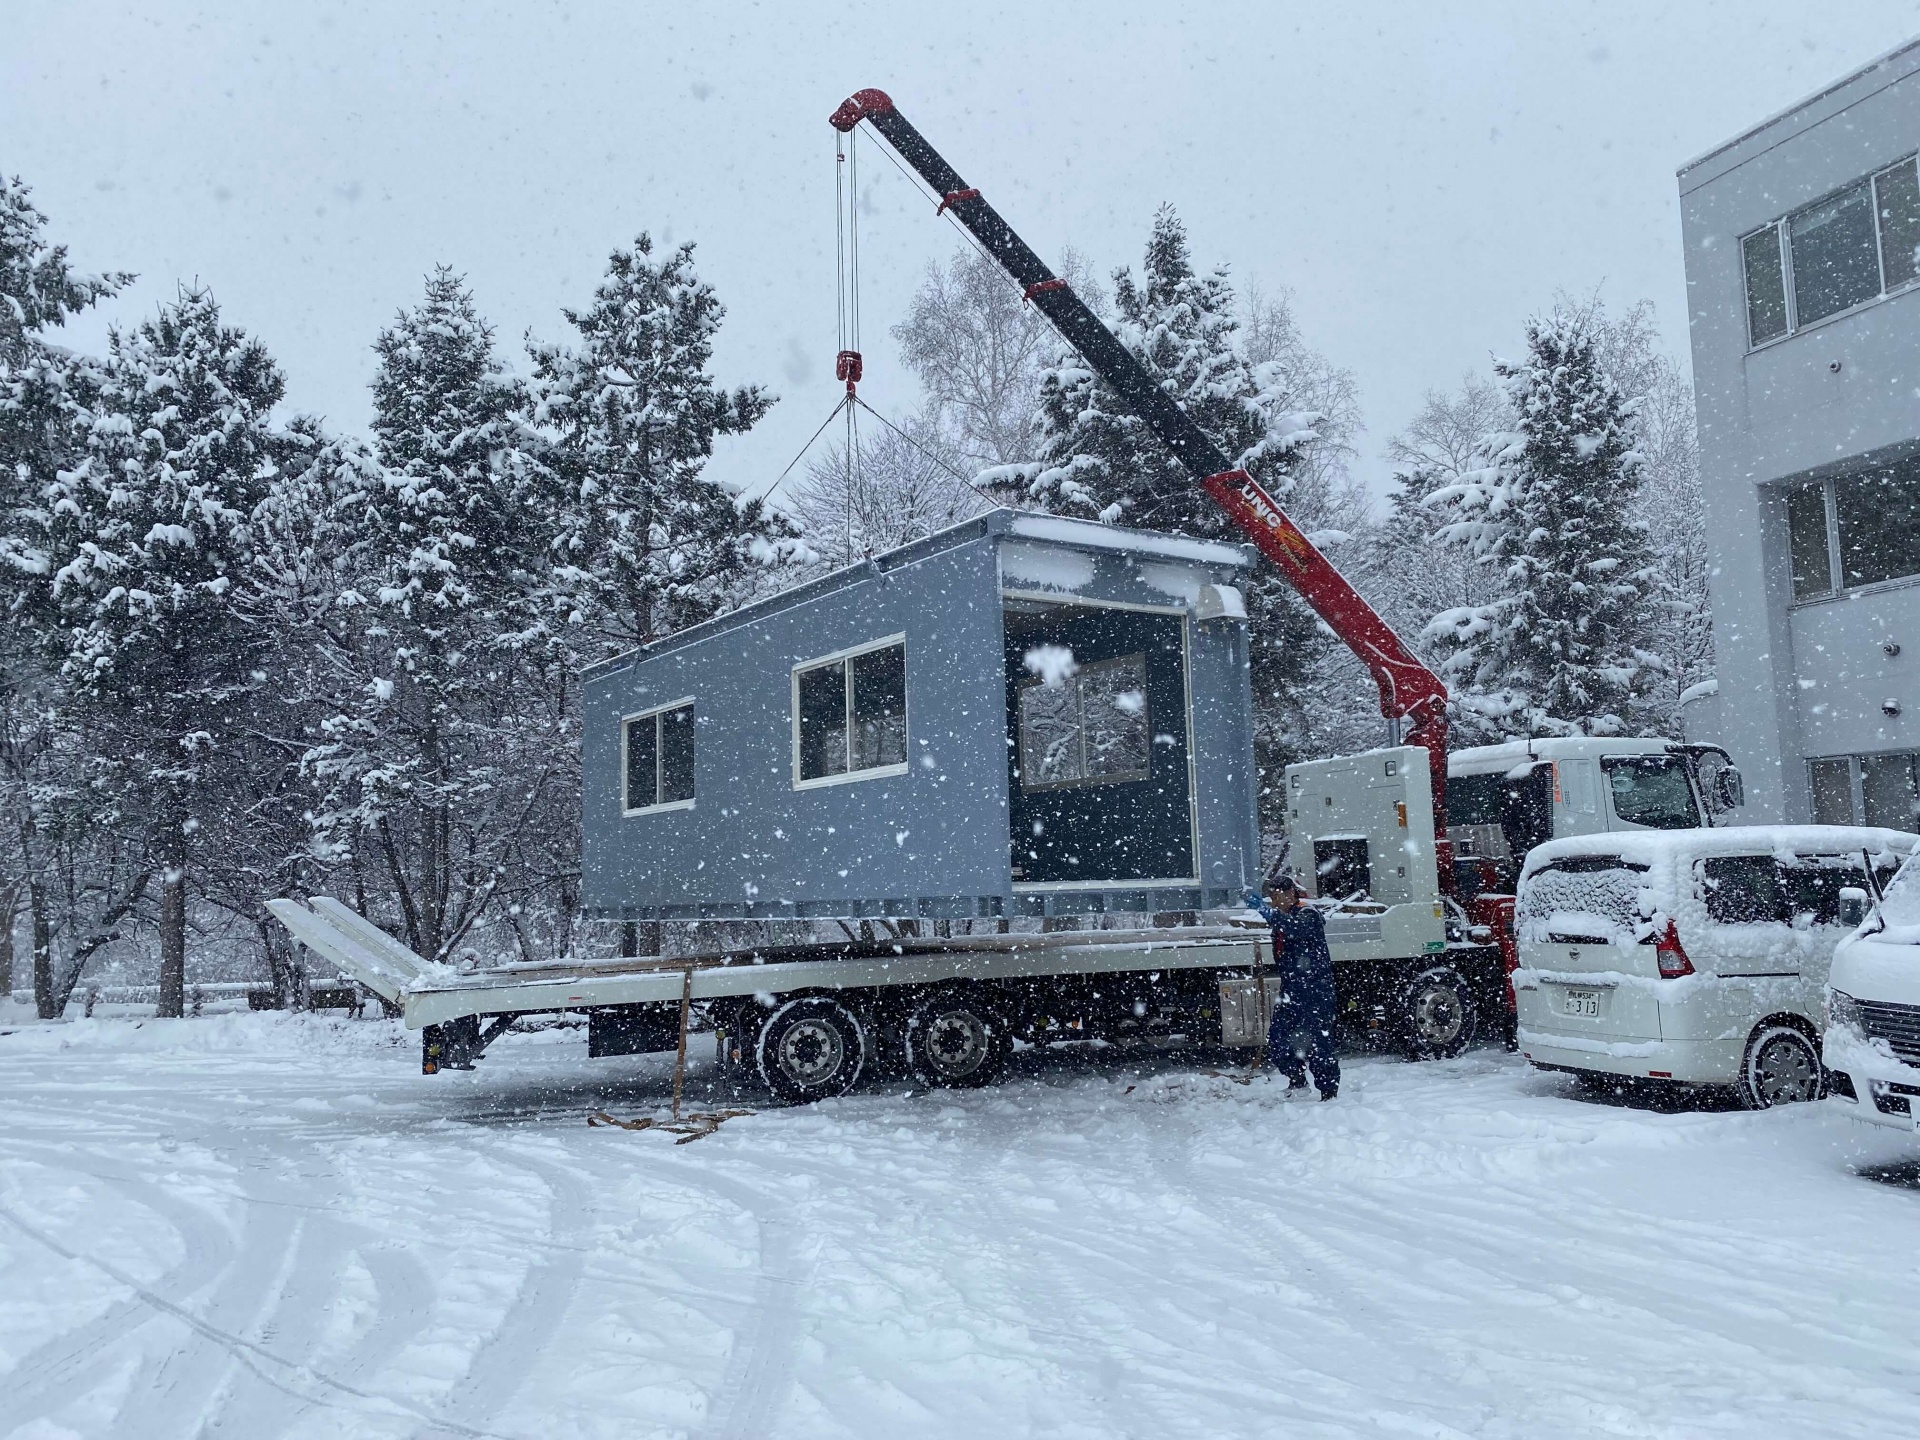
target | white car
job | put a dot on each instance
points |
(1872, 1044)
(1693, 956)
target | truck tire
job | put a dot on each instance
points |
(1437, 1015)
(810, 1048)
(1781, 1067)
(957, 1038)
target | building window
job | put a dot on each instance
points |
(1844, 250)
(1766, 286)
(1086, 728)
(1866, 790)
(1836, 262)
(1855, 530)
(1831, 781)
(1807, 542)
(850, 715)
(657, 759)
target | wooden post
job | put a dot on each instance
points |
(680, 1062)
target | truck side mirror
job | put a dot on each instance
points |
(1853, 906)
(1732, 790)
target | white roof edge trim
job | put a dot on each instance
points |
(1802, 103)
(1065, 531)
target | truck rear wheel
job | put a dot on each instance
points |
(956, 1037)
(1438, 1017)
(811, 1048)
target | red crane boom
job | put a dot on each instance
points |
(1409, 691)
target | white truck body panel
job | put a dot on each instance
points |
(1364, 823)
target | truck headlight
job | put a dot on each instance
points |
(1843, 1009)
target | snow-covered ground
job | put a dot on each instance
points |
(258, 1226)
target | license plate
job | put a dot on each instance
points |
(1581, 1002)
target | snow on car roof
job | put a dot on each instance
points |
(1648, 847)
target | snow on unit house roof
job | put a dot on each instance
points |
(1058, 530)
(1801, 116)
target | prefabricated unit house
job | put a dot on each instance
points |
(1021, 715)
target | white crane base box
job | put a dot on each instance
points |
(1021, 715)
(1360, 832)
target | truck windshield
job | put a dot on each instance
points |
(1652, 790)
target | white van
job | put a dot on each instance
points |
(1872, 1044)
(1696, 956)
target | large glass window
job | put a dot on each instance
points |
(1836, 258)
(1652, 790)
(1897, 199)
(1840, 252)
(1831, 781)
(1807, 542)
(1766, 286)
(1875, 515)
(1887, 791)
(658, 758)
(1089, 727)
(850, 714)
(1879, 521)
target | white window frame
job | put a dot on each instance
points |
(651, 713)
(1779, 226)
(845, 657)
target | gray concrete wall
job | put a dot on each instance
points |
(1799, 681)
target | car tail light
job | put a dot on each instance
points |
(1670, 955)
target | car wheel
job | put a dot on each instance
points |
(811, 1048)
(1438, 1017)
(957, 1038)
(1782, 1067)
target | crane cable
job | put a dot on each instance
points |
(847, 364)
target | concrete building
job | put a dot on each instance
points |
(1803, 279)
(1021, 715)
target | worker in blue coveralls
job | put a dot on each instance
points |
(1302, 1031)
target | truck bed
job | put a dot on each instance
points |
(430, 994)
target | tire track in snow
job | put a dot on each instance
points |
(759, 1373)
(257, 1358)
(499, 1365)
(51, 1376)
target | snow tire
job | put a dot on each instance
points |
(1437, 1015)
(810, 1048)
(957, 1038)
(1781, 1067)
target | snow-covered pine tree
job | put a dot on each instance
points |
(1557, 651)
(448, 755)
(44, 389)
(647, 543)
(1098, 459)
(150, 538)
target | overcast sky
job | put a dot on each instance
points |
(1419, 176)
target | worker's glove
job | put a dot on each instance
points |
(1254, 900)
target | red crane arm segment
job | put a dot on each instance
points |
(1409, 690)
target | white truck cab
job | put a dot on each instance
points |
(1502, 800)
(1428, 967)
